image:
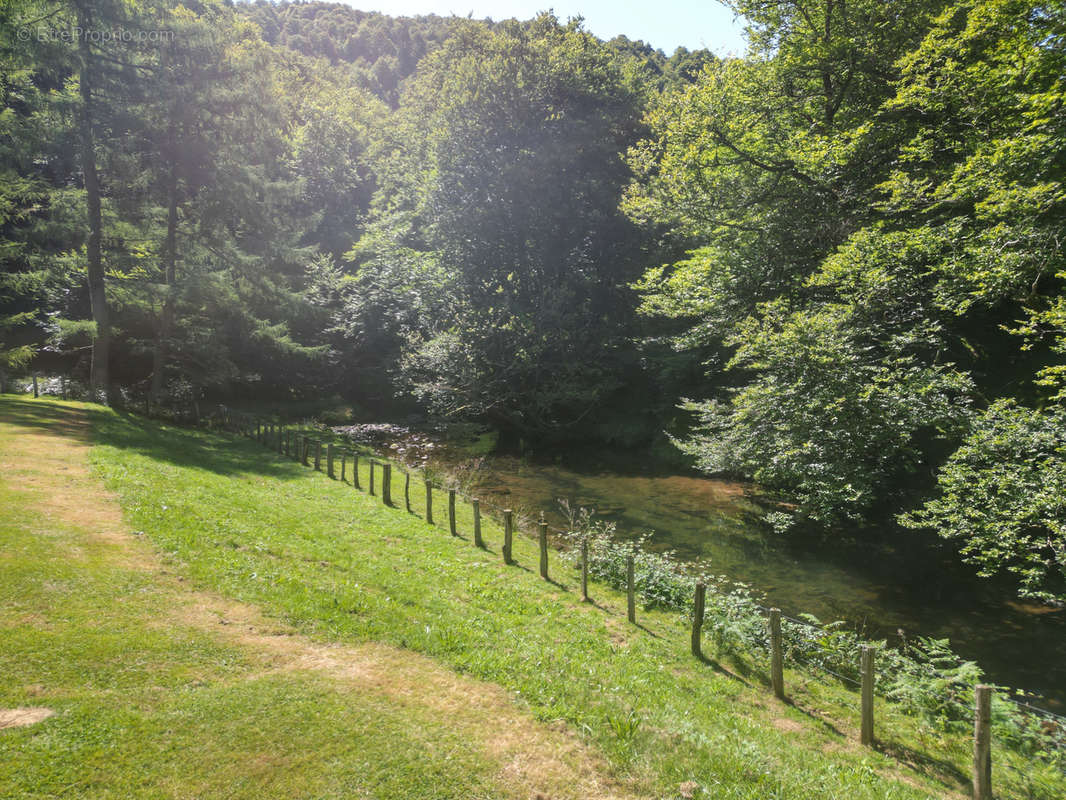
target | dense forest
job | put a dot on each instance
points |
(833, 266)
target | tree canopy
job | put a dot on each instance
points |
(880, 253)
(833, 266)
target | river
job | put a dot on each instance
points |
(912, 587)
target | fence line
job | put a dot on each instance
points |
(278, 437)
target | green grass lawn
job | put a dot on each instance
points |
(149, 703)
(145, 710)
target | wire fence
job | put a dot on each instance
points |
(927, 682)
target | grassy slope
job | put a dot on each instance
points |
(339, 567)
(153, 698)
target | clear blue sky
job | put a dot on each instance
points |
(665, 24)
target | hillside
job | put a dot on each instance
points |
(222, 618)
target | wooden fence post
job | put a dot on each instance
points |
(867, 735)
(281, 440)
(585, 569)
(386, 484)
(543, 536)
(475, 505)
(344, 466)
(508, 533)
(318, 455)
(429, 502)
(697, 620)
(355, 471)
(451, 512)
(372, 465)
(329, 459)
(407, 490)
(305, 446)
(777, 661)
(631, 599)
(982, 743)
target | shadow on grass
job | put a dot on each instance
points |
(924, 763)
(184, 447)
(41, 414)
(722, 669)
(194, 448)
(814, 716)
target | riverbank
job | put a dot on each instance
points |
(897, 587)
(338, 567)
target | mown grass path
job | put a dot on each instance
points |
(136, 685)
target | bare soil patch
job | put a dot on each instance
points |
(20, 717)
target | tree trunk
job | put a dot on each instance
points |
(170, 258)
(99, 378)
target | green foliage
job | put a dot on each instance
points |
(201, 224)
(1001, 497)
(876, 199)
(986, 164)
(831, 419)
(504, 176)
(380, 51)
